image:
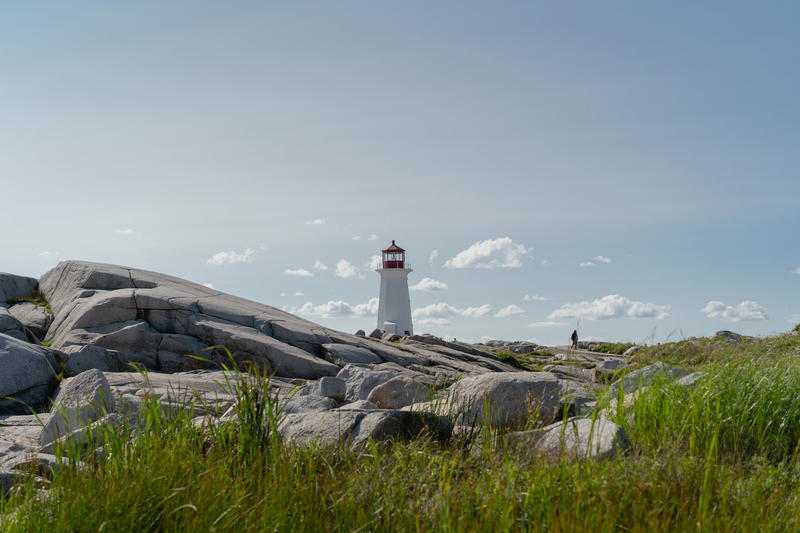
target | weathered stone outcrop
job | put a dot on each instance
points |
(27, 374)
(159, 322)
(507, 398)
(13, 287)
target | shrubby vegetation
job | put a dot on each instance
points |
(721, 456)
(613, 348)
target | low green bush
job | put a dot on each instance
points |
(613, 348)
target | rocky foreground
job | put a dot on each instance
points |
(122, 336)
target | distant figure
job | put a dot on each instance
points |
(574, 338)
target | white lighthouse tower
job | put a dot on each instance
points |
(394, 309)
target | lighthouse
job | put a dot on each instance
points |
(394, 309)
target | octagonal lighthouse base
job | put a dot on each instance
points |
(394, 309)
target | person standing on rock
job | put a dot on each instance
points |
(574, 338)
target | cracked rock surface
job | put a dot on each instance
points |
(146, 319)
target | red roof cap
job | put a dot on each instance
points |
(393, 248)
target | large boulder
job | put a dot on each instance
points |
(14, 287)
(79, 401)
(508, 398)
(399, 392)
(27, 373)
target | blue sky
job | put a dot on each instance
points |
(659, 143)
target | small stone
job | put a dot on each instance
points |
(329, 387)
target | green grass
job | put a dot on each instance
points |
(613, 348)
(722, 456)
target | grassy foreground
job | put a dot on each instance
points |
(722, 456)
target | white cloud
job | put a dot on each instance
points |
(373, 237)
(475, 312)
(747, 310)
(796, 271)
(319, 265)
(346, 269)
(491, 253)
(546, 324)
(315, 222)
(299, 294)
(611, 306)
(375, 261)
(47, 254)
(509, 310)
(209, 285)
(429, 285)
(546, 263)
(433, 256)
(298, 273)
(439, 313)
(126, 231)
(338, 308)
(596, 260)
(231, 257)
(433, 321)
(533, 298)
(357, 238)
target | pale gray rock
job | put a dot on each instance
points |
(645, 377)
(507, 397)
(327, 428)
(308, 404)
(691, 380)
(80, 358)
(576, 399)
(26, 374)
(633, 350)
(399, 392)
(178, 353)
(343, 354)
(577, 438)
(82, 437)
(12, 327)
(78, 402)
(354, 428)
(329, 387)
(32, 316)
(583, 374)
(400, 425)
(609, 365)
(359, 405)
(727, 335)
(360, 380)
(14, 287)
(155, 321)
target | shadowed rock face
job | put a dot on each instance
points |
(154, 320)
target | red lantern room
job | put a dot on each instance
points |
(394, 257)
